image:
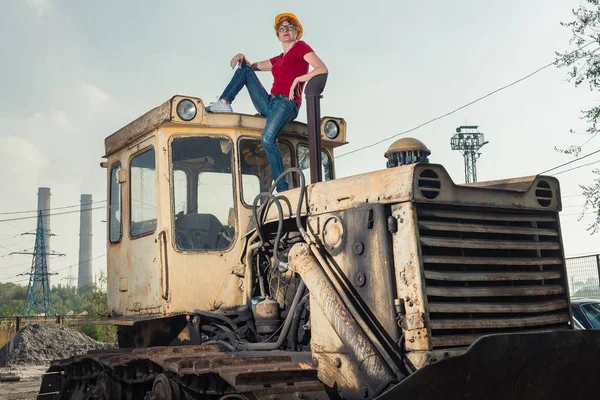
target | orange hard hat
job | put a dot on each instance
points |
(299, 28)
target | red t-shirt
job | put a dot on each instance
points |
(288, 67)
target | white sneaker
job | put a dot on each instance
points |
(218, 107)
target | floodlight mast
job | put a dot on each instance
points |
(468, 140)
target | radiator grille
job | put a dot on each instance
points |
(489, 271)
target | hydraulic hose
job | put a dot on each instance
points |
(296, 321)
(302, 191)
(279, 223)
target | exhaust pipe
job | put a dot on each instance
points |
(313, 90)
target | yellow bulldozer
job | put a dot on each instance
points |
(393, 284)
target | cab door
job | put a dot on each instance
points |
(134, 264)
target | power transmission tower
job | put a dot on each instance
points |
(468, 140)
(39, 297)
(70, 278)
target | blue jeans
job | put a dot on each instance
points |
(278, 109)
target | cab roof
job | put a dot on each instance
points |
(167, 113)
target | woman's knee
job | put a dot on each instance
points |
(268, 138)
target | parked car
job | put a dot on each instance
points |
(586, 313)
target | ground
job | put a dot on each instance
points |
(28, 387)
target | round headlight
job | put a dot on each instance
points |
(332, 129)
(186, 110)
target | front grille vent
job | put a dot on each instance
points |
(543, 193)
(490, 271)
(429, 184)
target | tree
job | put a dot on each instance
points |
(583, 62)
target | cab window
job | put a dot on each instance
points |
(115, 224)
(203, 195)
(143, 194)
(304, 163)
(255, 168)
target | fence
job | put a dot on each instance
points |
(584, 276)
(12, 325)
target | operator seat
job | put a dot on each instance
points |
(198, 231)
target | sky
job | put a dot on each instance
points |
(73, 72)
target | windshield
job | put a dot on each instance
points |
(204, 207)
(256, 171)
(592, 313)
(304, 163)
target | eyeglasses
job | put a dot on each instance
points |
(288, 28)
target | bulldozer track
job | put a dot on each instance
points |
(183, 372)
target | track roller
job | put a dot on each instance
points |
(163, 388)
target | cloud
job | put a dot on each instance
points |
(40, 7)
(25, 162)
(60, 118)
(96, 95)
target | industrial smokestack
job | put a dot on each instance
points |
(44, 207)
(85, 274)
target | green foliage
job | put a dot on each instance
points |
(583, 62)
(592, 199)
(12, 297)
(90, 298)
(102, 333)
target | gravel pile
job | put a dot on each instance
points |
(40, 343)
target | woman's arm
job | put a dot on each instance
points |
(239, 58)
(318, 66)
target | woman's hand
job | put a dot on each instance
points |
(295, 89)
(238, 59)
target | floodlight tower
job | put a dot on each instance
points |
(468, 140)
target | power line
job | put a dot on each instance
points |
(579, 166)
(569, 162)
(50, 215)
(14, 265)
(587, 141)
(49, 209)
(78, 264)
(67, 267)
(464, 106)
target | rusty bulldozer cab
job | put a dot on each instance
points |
(394, 284)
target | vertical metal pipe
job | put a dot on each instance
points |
(85, 274)
(313, 90)
(598, 267)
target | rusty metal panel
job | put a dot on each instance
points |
(540, 193)
(137, 128)
(420, 359)
(489, 244)
(498, 216)
(491, 276)
(493, 323)
(535, 307)
(502, 271)
(359, 243)
(410, 278)
(467, 260)
(494, 291)
(458, 227)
